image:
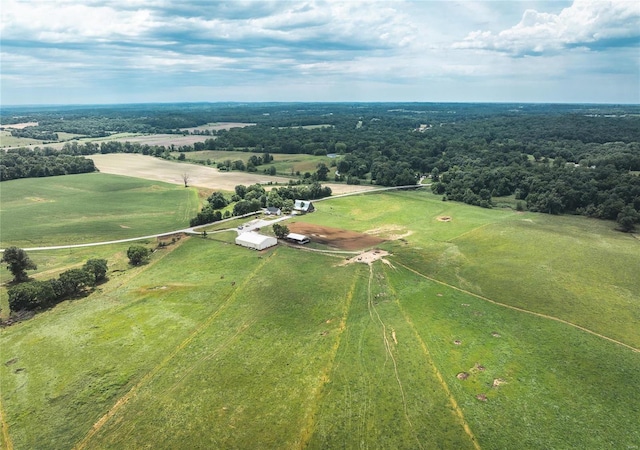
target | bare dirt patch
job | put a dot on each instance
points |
(390, 232)
(218, 126)
(462, 376)
(444, 218)
(497, 382)
(369, 257)
(335, 237)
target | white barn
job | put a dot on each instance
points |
(255, 241)
(298, 238)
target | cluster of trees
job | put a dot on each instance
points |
(32, 295)
(602, 192)
(252, 198)
(34, 133)
(25, 163)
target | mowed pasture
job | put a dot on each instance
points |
(75, 209)
(215, 346)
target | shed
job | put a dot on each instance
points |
(255, 241)
(298, 238)
(303, 206)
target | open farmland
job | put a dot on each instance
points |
(90, 208)
(286, 164)
(437, 345)
(150, 168)
(8, 141)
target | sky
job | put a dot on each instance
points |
(150, 51)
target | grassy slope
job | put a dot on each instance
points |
(90, 208)
(276, 360)
(573, 268)
(563, 388)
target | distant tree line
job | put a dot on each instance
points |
(33, 133)
(542, 154)
(26, 163)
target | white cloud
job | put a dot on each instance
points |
(586, 23)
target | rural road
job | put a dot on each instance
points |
(192, 230)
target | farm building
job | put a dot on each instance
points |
(255, 241)
(298, 238)
(303, 206)
(272, 211)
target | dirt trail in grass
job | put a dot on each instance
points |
(6, 438)
(434, 368)
(387, 345)
(146, 379)
(307, 430)
(515, 308)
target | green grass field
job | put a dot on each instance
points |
(90, 208)
(214, 346)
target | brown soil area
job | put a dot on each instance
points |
(462, 376)
(335, 237)
(444, 219)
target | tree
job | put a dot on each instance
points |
(627, 219)
(18, 262)
(24, 296)
(217, 200)
(321, 173)
(241, 190)
(75, 281)
(281, 231)
(185, 177)
(137, 254)
(97, 268)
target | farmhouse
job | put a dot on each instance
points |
(272, 211)
(255, 241)
(297, 238)
(303, 206)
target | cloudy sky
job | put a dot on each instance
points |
(126, 51)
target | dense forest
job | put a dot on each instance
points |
(25, 163)
(577, 159)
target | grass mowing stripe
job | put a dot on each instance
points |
(307, 431)
(6, 438)
(545, 316)
(439, 376)
(387, 346)
(150, 375)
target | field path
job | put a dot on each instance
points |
(307, 430)
(146, 379)
(6, 438)
(515, 308)
(387, 345)
(434, 368)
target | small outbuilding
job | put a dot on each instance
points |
(297, 238)
(256, 241)
(303, 206)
